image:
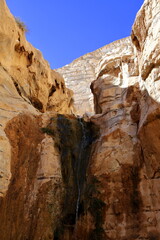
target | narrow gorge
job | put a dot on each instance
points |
(80, 145)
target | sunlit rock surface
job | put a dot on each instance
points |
(81, 72)
(27, 84)
(126, 156)
(46, 152)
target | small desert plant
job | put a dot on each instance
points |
(21, 25)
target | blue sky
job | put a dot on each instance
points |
(66, 29)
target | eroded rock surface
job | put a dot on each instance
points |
(41, 157)
(125, 158)
(30, 73)
(27, 84)
(81, 72)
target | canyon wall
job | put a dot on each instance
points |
(67, 178)
(27, 84)
(31, 93)
(126, 156)
(81, 72)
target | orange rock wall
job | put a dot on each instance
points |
(120, 194)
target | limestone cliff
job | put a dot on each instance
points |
(67, 178)
(126, 156)
(81, 72)
(27, 84)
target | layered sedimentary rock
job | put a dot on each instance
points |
(63, 177)
(81, 72)
(126, 157)
(27, 85)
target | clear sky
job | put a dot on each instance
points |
(66, 29)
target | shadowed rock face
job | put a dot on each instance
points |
(60, 177)
(41, 200)
(73, 138)
(21, 209)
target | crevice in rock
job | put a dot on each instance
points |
(21, 50)
(93, 204)
(36, 103)
(17, 87)
(62, 86)
(73, 139)
(135, 41)
(57, 84)
(97, 107)
(52, 90)
(146, 72)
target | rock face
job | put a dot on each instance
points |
(126, 156)
(81, 72)
(31, 74)
(68, 178)
(27, 84)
